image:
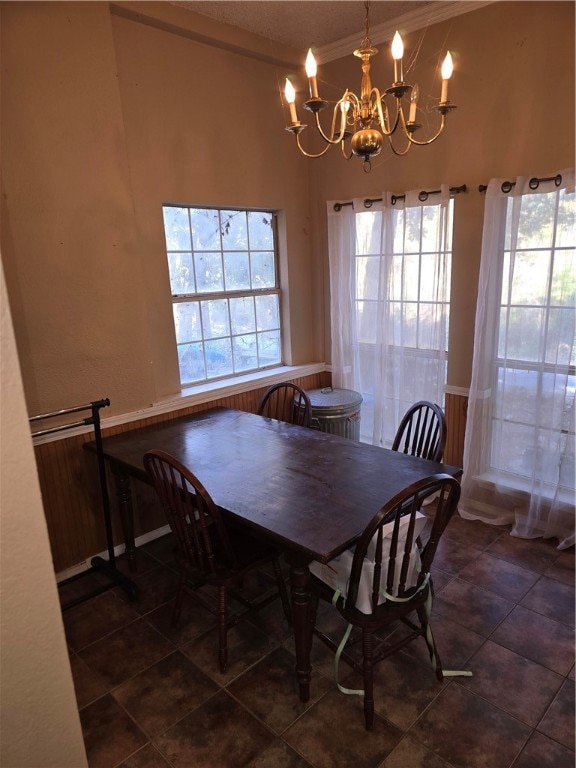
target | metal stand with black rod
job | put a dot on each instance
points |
(98, 564)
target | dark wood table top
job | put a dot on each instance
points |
(311, 492)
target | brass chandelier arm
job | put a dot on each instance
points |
(384, 115)
(427, 141)
(399, 152)
(309, 154)
(331, 139)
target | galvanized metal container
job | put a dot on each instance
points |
(336, 411)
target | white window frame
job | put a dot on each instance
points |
(202, 343)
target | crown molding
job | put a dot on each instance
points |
(408, 22)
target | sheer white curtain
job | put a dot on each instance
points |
(519, 445)
(390, 284)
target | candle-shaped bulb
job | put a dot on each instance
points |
(413, 103)
(290, 96)
(344, 107)
(397, 53)
(397, 46)
(447, 68)
(311, 70)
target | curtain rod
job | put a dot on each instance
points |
(534, 183)
(422, 196)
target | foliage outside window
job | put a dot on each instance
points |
(225, 291)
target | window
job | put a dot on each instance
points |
(225, 291)
(534, 350)
(395, 352)
(519, 446)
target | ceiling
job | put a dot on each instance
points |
(310, 23)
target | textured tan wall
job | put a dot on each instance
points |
(104, 119)
(38, 719)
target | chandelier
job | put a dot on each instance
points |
(365, 119)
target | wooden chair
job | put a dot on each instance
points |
(389, 560)
(286, 402)
(422, 431)
(211, 550)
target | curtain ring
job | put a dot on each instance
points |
(368, 203)
(423, 196)
(506, 186)
(534, 183)
(558, 179)
(393, 199)
(337, 207)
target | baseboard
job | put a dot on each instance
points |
(79, 568)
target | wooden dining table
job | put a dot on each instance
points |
(309, 492)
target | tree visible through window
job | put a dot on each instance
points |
(225, 290)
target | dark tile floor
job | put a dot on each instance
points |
(151, 696)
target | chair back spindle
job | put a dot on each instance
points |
(422, 431)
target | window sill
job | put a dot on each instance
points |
(200, 395)
(215, 390)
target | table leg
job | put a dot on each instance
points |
(124, 495)
(300, 584)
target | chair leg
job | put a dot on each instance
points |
(367, 647)
(282, 590)
(429, 637)
(222, 629)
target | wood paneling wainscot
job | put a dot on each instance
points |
(70, 491)
(456, 407)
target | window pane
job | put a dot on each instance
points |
(564, 278)
(234, 230)
(367, 271)
(187, 322)
(218, 357)
(566, 220)
(430, 223)
(560, 336)
(432, 327)
(191, 362)
(267, 313)
(411, 277)
(366, 314)
(260, 228)
(176, 229)
(205, 229)
(269, 351)
(245, 350)
(181, 273)
(263, 270)
(242, 315)
(209, 275)
(536, 224)
(530, 277)
(368, 232)
(520, 331)
(236, 271)
(215, 318)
